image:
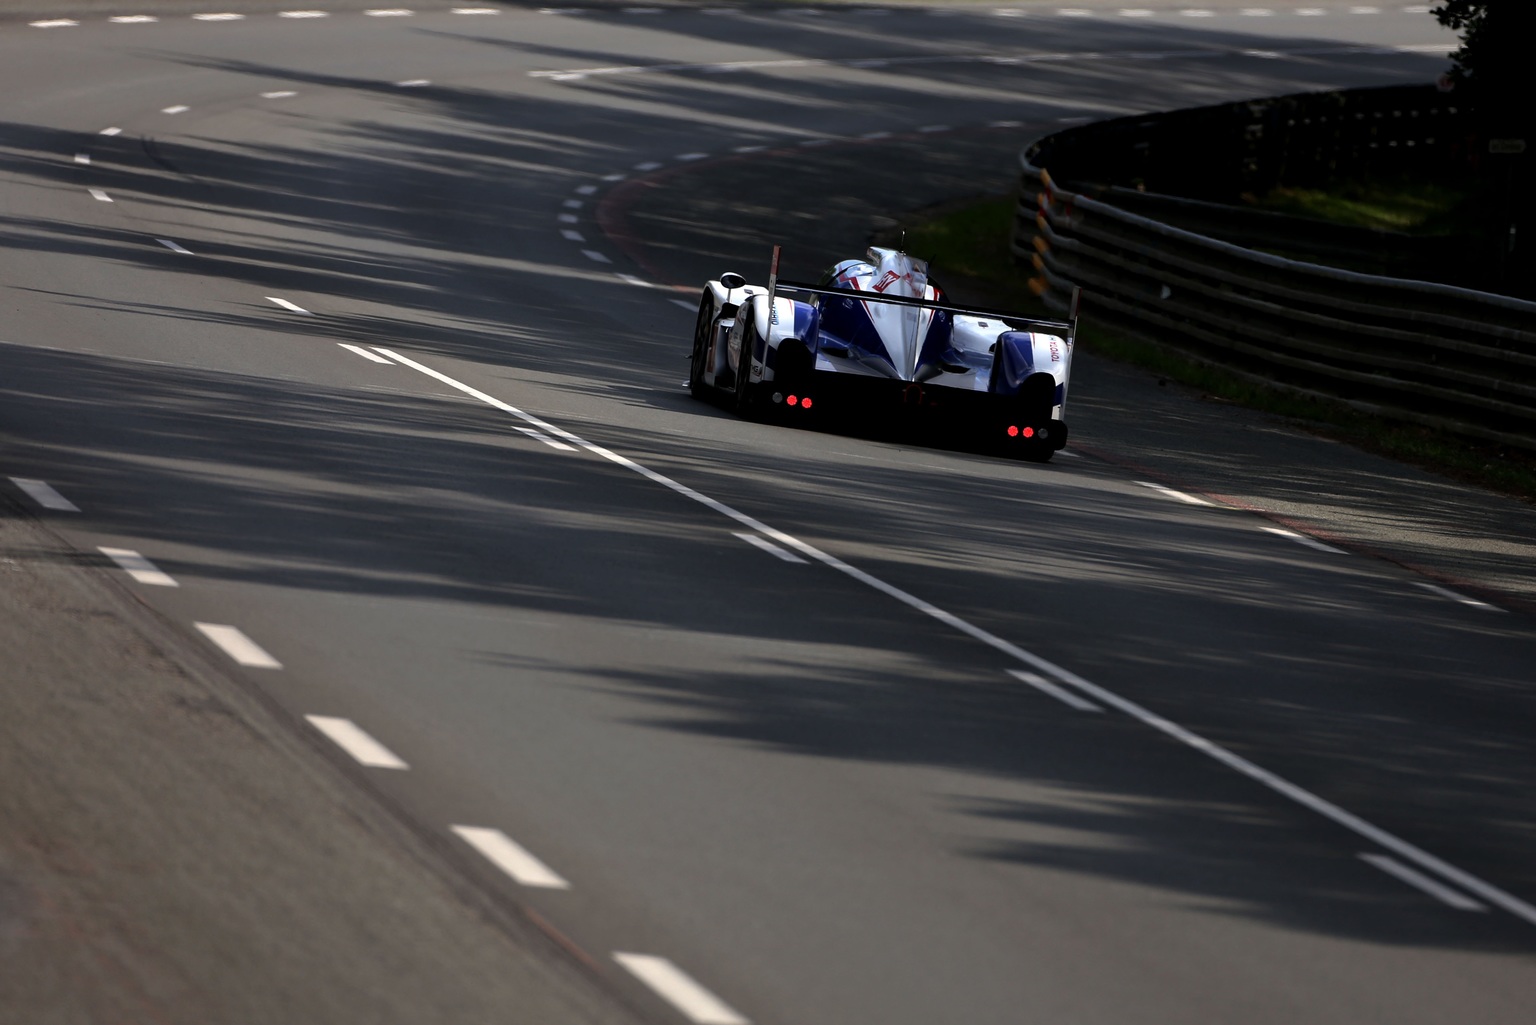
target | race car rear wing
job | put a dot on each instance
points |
(1069, 326)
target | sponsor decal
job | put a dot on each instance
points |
(1055, 352)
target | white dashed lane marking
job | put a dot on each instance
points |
(54, 23)
(1444, 894)
(303, 14)
(175, 247)
(1179, 495)
(238, 646)
(100, 196)
(218, 17)
(179, 108)
(1061, 694)
(278, 94)
(352, 739)
(572, 235)
(679, 989)
(595, 256)
(285, 304)
(413, 83)
(138, 567)
(359, 350)
(1302, 539)
(82, 158)
(44, 495)
(767, 545)
(110, 131)
(511, 857)
(1446, 592)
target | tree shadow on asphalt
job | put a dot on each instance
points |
(281, 484)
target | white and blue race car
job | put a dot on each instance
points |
(875, 338)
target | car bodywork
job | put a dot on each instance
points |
(875, 337)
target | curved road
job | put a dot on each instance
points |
(362, 328)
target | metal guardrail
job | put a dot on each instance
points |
(1447, 358)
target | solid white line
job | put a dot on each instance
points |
(1061, 694)
(278, 94)
(175, 247)
(359, 350)
(100, 196)
(1181, 496)
(82, 158)
(770, 548)
(238, 646)
(1440, 892)
(1446, 592)
(110, 131)
(595, 256)
(43, 494)
(1327, 809)
(678, 989)
(179, 108)
(351, 738)
(558, 446)
(511, 857)
(630, 279)
(138, 567)
(572, 235)
(1302, 539)
(285, 304)
(684, 303)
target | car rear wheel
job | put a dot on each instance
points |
(696, 386)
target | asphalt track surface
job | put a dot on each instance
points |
(319, 318)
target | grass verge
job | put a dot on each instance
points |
(967, 244)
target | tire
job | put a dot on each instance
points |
(696, 386)
(746, 395)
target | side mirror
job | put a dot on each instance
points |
(732, 281)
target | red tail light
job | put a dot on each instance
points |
(805, 403)
(1013, 432)
(1029, 432)
(792, 401)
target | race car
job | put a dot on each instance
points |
(874, 338)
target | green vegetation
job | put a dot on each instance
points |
(1413, 207)
(967, 243)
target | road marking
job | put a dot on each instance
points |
(595, 256)
(1277, 784)
(684, 303)
(352, 739)
(933, 128)
(558, 446)
(1257, 12)
(585, 190)
(1181, 496)
(100, 196)
(43, 494)
(138, 567)
(649, 165)
(748, 149)
(110, 131)
(1061, 694)
(763, 543)
(238, 646)
(1310, 12)
(1003, 124)
(218, 17)
(571, 235)
(1136, 12)
(174, 247)
(568, 219)
(1365, 10)
(1075, 12)
(82, 158)
(1446, 592)
(875, 135)
(285, 304)
(1437, 890)
(133, 19)
(573, 204)
(1302, 539)
(630, 279)
(511, 857)
(179, 108)
(614, 177)
(475, 10)
(278, 94)
(678, 988)
(54, 23)
(359, 350)
(689, 157)
(1197, 12)
(303, 14)
(413, 83)
(389, 12)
